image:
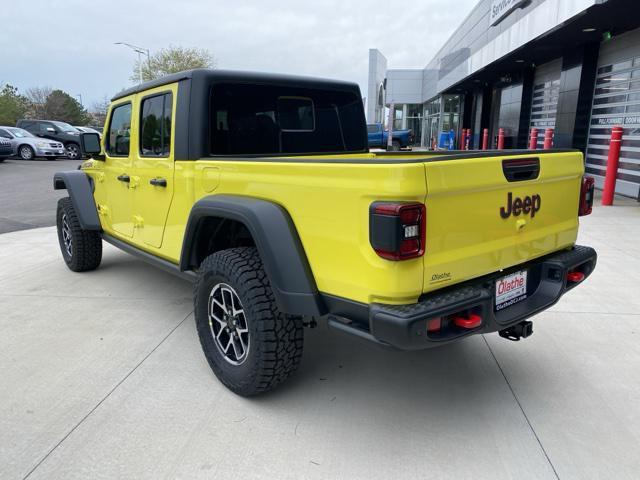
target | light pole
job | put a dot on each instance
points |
(139, 51)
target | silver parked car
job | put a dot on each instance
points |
(27, 146)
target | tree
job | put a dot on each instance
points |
(62, 106)
(13, 106)
(172, 60)
(98, 112)
(37, 98)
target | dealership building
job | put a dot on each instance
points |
(569, 65)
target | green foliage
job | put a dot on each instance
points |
(62, 106)
(172, 60)
(13, 106)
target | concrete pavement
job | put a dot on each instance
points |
(103, 377)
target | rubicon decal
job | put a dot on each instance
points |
(516, 206)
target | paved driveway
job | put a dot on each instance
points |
(103, 377)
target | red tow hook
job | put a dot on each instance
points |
(468, 322)
(575, 277)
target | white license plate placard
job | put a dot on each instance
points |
(511, 289)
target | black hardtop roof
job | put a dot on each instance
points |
(239, 76)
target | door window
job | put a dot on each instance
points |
(5, 134)
(119, 131)
(155, 126)
(43, 126)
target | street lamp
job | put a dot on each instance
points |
(139, 51)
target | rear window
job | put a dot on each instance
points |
(270, 119)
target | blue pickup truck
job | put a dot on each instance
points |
(378, 137)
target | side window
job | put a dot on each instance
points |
(372, 129)
(155, 126)
(43, 126)
(4, 134)
(119, 131)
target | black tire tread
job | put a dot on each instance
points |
(279, 341)
(87, 244)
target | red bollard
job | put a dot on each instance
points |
(533, 140)
(612, 166)
(485, 139)
(501, 139)
(548, 139)
(463, 138)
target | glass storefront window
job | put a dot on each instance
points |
(451, 113)
(431, 122)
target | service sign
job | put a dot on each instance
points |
(500, 9)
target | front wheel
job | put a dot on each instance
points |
(250, 345)
(81, 249)
(26, 152)
(73, 151)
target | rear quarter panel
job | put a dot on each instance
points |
(329, 205)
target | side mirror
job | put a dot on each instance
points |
(90, 145)
(51, 130)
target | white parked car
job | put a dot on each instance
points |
(27, 146)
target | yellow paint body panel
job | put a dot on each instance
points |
(329, 205)
(467, 237)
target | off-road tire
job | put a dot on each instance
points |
(86, 251)
(275, 339)
(395, 146)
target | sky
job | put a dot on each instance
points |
(69, 44)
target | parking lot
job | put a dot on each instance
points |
(27, 198)
(103, 377)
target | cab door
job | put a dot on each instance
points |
(117, 213)
(154, 164)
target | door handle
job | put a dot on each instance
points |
(158, 182)
(124, 178)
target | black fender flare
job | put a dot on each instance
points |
(278, 244)
(80, 189)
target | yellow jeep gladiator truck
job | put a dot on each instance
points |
(261, 189)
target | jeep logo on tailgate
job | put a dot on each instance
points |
(527, 205)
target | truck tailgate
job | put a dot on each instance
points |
(479, 222)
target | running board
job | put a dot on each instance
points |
(165, 265)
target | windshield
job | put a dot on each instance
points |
(20, 133)
(65, 127)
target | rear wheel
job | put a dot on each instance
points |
(26, 152)
(2, 159)
(81, 249)
(250, 345)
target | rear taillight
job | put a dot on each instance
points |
(397, 230)
(586, 196)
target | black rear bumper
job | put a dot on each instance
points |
(405, 326)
